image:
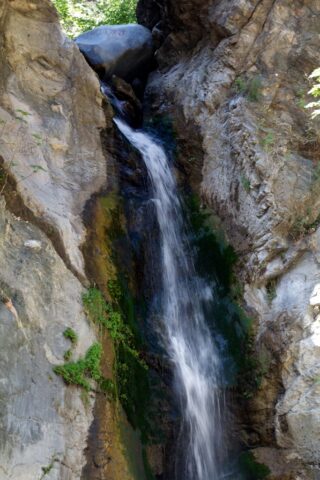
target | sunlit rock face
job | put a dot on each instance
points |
(43, 423)
(51, 118)
(236, 73)
(52, 162)
(122, 50)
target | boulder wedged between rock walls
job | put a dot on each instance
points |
(121, 50)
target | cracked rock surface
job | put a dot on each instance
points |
(51, 158)
(50, 120)
(235, 73)
(42, 421)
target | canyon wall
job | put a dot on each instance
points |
(52, 161)
(233, 77)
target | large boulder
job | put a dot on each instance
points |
(122, 50)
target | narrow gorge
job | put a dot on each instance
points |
(159, 246)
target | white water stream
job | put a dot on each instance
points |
(186, 336)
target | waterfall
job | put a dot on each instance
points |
(185, 335)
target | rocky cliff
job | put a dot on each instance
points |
(51, 163)
(234, 76)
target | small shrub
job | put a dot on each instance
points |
(251, 87)
(71, 335)
(115, 290)
(79, 373)
(102, 313)
(254, 89)
(267, 141)
(316, 174)
(271, 290)
(68, 354)
(241, 85)
(46, 470)
(300, 102)
(245, 182)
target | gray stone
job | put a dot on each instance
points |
(259, 181)
(50, 111)
(122, 50)
(42, 420)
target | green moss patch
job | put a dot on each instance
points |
(251, 469)
(131, 372)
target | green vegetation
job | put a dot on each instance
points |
(78, 16)
(250, 87)
(131, 373)
(71, 335)
(302, 225)
(315, 92)
(301, 101)
(215, 258)
(271, 290)
(213, 253)
(103, 314)
(245, 182)
(46, 470)
(85, 369)
(251, 468)
(68, 354)
(267, 141)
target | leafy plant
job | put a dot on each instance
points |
(268, 141)
(132, 383)
(88, 368)
(71, 335)
(271, 290)
(48, 468)
(315, 92)
(240, 84)
(254, 89)
(78, 16)
(301, 94)
(102, 313)
(114, 289)
(68, 354)
(250, 87)
(245, 182)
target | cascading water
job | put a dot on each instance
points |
(186, 336)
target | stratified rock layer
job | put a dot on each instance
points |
(236, 74)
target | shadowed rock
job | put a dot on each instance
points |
(122, 50)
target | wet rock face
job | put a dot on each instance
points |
(51, 118)
(238, 72)
(121, 50)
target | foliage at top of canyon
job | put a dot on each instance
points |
(78, 16)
